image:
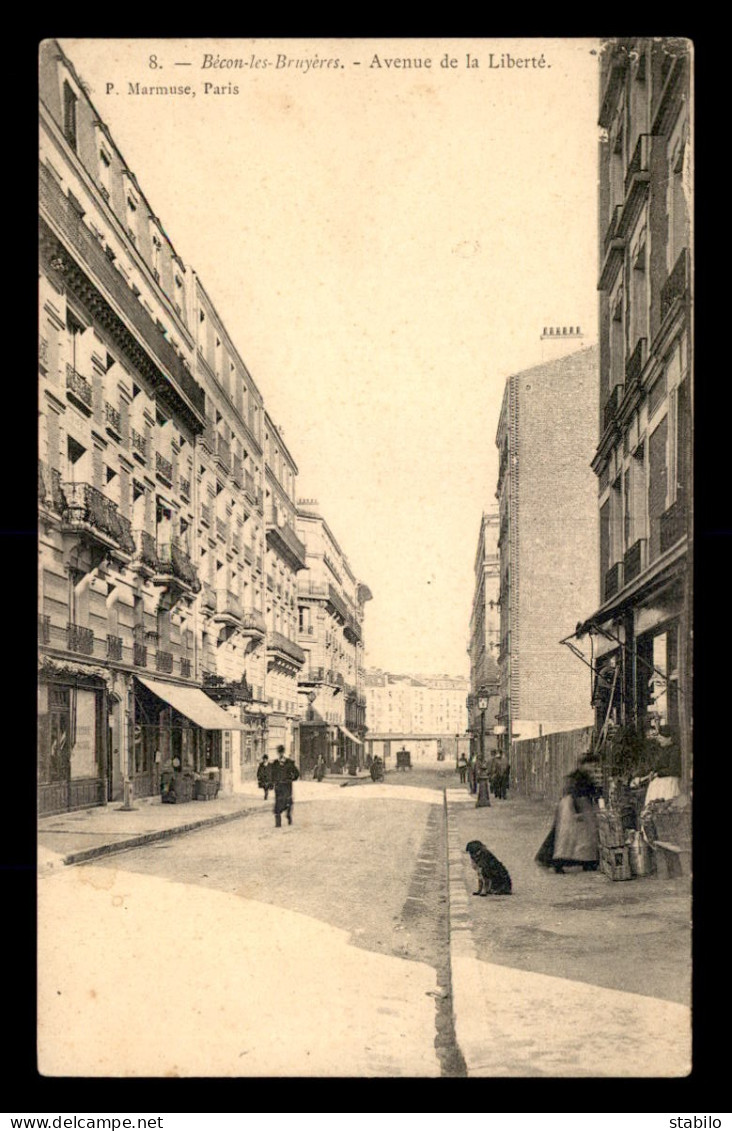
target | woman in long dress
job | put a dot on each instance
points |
(573, 837)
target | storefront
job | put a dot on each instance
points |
(177, 729)
(72, 741)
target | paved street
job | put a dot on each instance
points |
(323, 948)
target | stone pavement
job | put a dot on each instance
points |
(520, 1006)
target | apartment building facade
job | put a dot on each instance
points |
(331, 603)
(548, 543)
(485, 630)
(640, 630)
(120, 411)
(425, 712)
(169, 611)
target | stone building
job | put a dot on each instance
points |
(427, 713)
(331, 611)
(547, 542)
(639, 633)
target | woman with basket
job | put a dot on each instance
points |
(573, 836)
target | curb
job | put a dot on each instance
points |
(461, 945)
(85, 854)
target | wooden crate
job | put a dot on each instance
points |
(615, 862)
(610, 828)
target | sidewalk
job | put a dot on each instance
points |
(571, 975)
(72, 838)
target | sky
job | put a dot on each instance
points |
(384, 244)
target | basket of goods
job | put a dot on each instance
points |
(610, 828)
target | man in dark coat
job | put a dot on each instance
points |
(284, 773)
(264, 776)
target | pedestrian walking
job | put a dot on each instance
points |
(264, 775)
(462, 768)
(573, 837)
(319, 771)
(482, 774)
(501, 773)
(284, 773)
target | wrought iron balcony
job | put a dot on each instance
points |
(676, 284)
(610, 408)
(174, 561)
(146, 554)
(312, 675)
(673, 525)
(639, 167)
(613, 580)
(278, 643)
(222, 454)
(113, 419)
(252, 622)
(139, 654)
(250, 489)
(114, 647)
(337, 603)
(634, 560)
(285, 541)
(79, 639)
(634, 364)
(78, 386)
(91, 512)
(88, 252)
(163, 467)
(228, 607)
(139, 444)
(164, 661)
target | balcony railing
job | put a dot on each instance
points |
(145, 550)
(113, 418)
(312, 675)
(673, 525)
(636, 361)
(676, 284)
(639, 162)
(44, 629)
(89, 508)
(139, 654)
(228, 604)
(164, 661)
(223, 452)
(78, 386)
(610, 408)
(93, 259)
(114, 647)
(276, 642)
(139, 444)
(337, 602)
(612, 229)
(163, 467)
(50, 491)
(613, 580)
(287, 539)
(185, 668)
(253, 621)
(173, 558)
(634, 560)
(79, 639)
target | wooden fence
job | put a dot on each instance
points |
(539, 765)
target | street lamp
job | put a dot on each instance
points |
(482, 707)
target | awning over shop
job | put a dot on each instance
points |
(194, 704)
(352, 737)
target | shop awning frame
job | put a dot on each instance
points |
(193, 703)
(348, 734)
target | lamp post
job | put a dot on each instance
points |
(482, 707)
(484, 798)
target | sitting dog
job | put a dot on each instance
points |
(493, 878)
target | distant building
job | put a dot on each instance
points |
(640, 631)
(330, 602)
(429, 711)
(548, 543)
(485, 632)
